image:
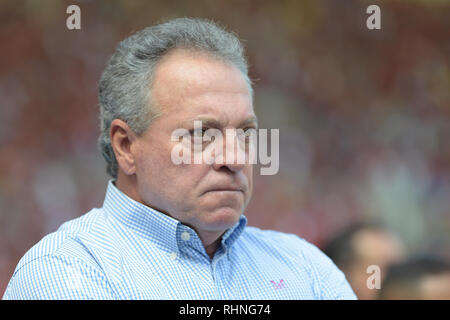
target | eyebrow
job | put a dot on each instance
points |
(252, 120)
(213, 123)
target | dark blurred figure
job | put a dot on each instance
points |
(362, 245)
(418, 278)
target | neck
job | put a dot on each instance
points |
(127, 185)
(212, 248)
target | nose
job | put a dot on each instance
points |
(233, 157)
(234, 167)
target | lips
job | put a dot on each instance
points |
(230, 188)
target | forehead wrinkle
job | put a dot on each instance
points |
(218, 123)
(192, 75)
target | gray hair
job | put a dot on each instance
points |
(124, 87)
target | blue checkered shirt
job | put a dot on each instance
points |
(126, 250)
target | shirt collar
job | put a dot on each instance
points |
(154, 225)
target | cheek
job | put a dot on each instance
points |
(148, 161)
(248, 171)
(189, 176)
(153, 167)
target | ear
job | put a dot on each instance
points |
(122, 137)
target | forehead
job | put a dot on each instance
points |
(188, 83)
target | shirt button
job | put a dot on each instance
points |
(185, 236)
(173, 255)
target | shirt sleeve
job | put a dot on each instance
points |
(331, 282)
(58, 278)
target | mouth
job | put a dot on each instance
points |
(226, 189)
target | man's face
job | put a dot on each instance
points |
(191, 86)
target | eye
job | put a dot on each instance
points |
(245, 135)
(198, 132)
(199, 135)
(249, 130)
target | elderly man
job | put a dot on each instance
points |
(166, 230)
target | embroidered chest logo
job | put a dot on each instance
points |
(279, 285)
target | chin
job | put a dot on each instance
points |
(221, 218)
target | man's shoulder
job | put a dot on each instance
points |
(64, 264)
(300, 256)
(294, 249)
(280, 240)
(69, 240)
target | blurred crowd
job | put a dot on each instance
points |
(377, 265)
(363, 118)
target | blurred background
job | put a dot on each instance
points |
(363, 118)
